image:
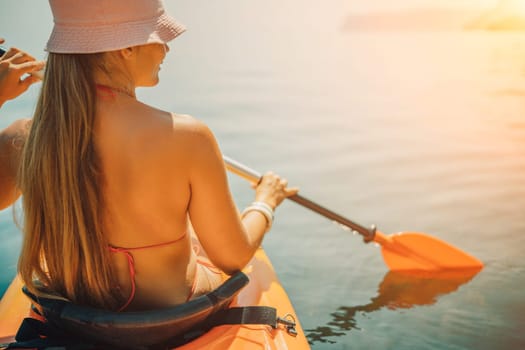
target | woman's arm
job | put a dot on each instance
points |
(229, 242)
(12, 140)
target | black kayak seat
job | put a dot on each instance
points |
(152, 328)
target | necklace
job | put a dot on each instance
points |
(124, 91)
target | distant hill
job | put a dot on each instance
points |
(505, 23)
(410, 20)
(499, 18)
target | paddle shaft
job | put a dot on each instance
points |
(253, 176)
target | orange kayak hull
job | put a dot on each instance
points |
(264, 289)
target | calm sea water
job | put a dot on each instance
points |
(410, 131)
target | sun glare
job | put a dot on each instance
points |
(520, 6)
(512, 6)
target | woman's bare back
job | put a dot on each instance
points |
(146, 193)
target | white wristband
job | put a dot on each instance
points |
(262, 208)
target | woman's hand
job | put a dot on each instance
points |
(272, 190)
(13, 65)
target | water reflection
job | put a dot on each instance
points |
(396, 291)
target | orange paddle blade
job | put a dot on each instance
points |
(411, 251)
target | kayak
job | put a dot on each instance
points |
(263, 289)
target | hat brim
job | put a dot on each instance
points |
(102, 38)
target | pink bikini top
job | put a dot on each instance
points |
(131, 264)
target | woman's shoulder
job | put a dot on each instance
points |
(162, 128)
(16, 133)
(187, 124)
(19, 125)
(191, 131)
(177, 134)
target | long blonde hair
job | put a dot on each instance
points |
(64, 246)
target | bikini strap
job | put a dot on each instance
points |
(131, 268)
(149, 246)
(131, 264)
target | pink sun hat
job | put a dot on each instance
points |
(90, 26)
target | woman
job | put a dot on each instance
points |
(111, 184)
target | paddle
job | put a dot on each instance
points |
(405, 251)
